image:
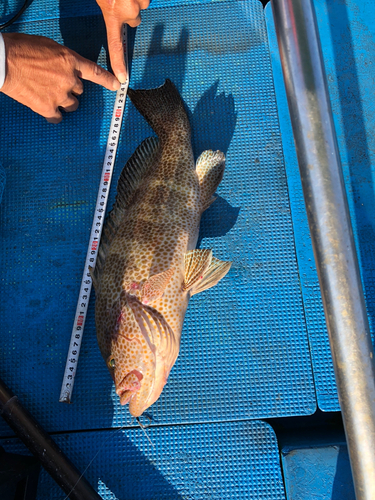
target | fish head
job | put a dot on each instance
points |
(139, 353)
(150, 390)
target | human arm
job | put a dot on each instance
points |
(44, 75)
(116, 13)
(2, 61)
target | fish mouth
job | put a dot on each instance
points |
(129, 385)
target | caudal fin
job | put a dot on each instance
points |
(163, 109)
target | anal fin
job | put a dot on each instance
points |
(210, 169)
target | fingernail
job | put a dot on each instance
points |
(116, 85)
(122, 77)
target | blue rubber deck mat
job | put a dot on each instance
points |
(53, 9)
(244, 351)
(318, 473)
(212, 461)
(347, 32)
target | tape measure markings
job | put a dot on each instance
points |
(96, 231)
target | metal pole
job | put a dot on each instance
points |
(43, 447)
(331, 232)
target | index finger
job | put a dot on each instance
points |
(89, 70)
(115, 47)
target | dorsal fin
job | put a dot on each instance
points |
(132, 175)
(134, 172)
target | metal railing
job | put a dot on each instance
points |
(331, 232)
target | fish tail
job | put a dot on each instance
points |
(163, 109)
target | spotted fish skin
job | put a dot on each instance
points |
(148, 268)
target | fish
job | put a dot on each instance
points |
(148, 266)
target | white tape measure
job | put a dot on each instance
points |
(96, 231)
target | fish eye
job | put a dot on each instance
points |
(112, 363)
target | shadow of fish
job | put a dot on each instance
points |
(148, 267)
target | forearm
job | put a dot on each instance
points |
(2, 61)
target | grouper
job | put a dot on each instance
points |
(148, 266)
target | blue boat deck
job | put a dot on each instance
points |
(254, 347)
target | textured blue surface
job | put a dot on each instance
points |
(347, 31)
(214, 461)
(55, 9)
(2, 181)
(318, 473)
(244, 350)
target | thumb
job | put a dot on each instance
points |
(115, 47)
(89, 70)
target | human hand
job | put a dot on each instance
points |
(45, 76)
(116, 13)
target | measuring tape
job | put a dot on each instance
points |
(96, 231)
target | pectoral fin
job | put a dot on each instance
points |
(196, 264)
(217, 270)
(155, 286)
